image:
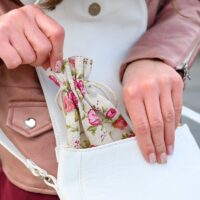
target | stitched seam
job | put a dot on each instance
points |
(184, 55)
(28, 188)
(18, 128)
(102, 147)
(51, 112)
(80, 177)
(27, 106)
(9, 86)
(26, 132)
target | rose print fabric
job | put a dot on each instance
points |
(91, 118)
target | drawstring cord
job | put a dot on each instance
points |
(89, 108)
(106, 90)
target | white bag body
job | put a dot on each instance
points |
(118, 171)
(92, 165)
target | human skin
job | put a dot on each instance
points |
(152, 93)
(152, 90)
(28, 36)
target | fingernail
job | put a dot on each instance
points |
(58, 66)
(170, 149)
(163, 158)
(152, 158)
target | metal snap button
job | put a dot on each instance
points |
(94, 9)
(30, 123)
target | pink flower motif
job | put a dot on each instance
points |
(73, 98)
(93, 118)
(92, 145)
(80, 85)
(75, 83)
(130, 135)
(54, 79)
(120, 123)
(68, 104)
(77, 144)
(111, 113)
(72, 61)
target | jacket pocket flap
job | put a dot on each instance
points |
(29, 119)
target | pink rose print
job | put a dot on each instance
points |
(111, 113)
(80, 85)
(93, 118)
(120, 123)
(68, 104)
(72, 62)
(131, 135)
(77, 144)
(75, 83)
(92, 145)
(53, 78)
(73, 98)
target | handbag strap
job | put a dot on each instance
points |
(29, 164)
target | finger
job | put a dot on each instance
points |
(152, 105)
(138, 117)
(46, 64)
(39, 42)
(9, 55)
(177, 97)
(168, 114)
(23, 47)
(56, 35)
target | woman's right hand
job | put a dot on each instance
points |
(29, 36)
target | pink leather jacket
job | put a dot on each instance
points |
(170, 37)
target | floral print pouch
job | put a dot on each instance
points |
(91, 117)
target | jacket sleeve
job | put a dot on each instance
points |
(7, 5)
(173, 37)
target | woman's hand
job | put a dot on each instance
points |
(28, 36)
(152, 92)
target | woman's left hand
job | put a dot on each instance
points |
(152, 92)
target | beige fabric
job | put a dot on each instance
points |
(21, 85)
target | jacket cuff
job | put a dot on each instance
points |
(170, 40)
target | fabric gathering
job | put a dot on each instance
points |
(92, 100)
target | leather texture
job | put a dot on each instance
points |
(118, 171)
(170, 36)
(22, 98)
(21, 85)
(25, 110)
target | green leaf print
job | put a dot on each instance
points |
(76, 116)
(83, 117)
(68, 126)
(103, 109)
(63, 66)
(74, 129)
(67, 85)
(73, 72)
(80, 76)
(124, 136)
(92, 129)
(86, 144)
(104, 120)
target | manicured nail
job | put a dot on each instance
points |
(170, 149)
(152, 158)
(58, 66)
(163, 158)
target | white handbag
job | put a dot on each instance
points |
(113, 168)
(118, 171)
